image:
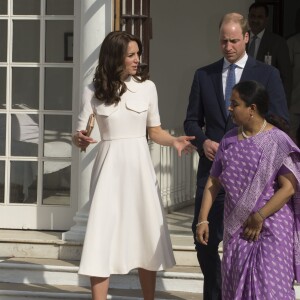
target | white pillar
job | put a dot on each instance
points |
(93, 20)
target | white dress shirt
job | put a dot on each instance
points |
(238, 70)
(257, 41)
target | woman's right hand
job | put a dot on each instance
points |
(81, 140)
(202, 233)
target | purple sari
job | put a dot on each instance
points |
(248, 170)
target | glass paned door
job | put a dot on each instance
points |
(36, 96)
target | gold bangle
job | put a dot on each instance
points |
(261, 215)
(202, 222)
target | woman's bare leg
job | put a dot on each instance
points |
(147, 280)
(99, 286)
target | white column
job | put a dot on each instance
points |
(93, 20)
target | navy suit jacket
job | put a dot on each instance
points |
(276, 46)
(206, 114)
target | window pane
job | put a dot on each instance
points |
(2, 179)
(26, 41)
(2, 134)
(27, 7)
(25, 87)
(68, 46)
(57, 136)
(23, 177)
(55, 7)
(3, 44)
(56, 183)
(58, 88)
(56, 44)
(24, 134)
(3, 7)
(2, 88)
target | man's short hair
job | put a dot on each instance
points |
(235, 18)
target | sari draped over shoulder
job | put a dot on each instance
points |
(248, 170)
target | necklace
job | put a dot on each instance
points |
(260, 130)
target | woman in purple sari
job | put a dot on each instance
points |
(258, 165)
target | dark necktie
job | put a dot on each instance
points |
(230, 82)
(251, 49)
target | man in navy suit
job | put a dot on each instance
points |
(269, 47)
(208, 120)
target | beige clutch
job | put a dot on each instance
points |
(90, 125)
(89, 128)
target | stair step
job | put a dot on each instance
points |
(49, 244)
(55, 272)
(39, 244)
(13, 291)
(184, 250)
(18, 291)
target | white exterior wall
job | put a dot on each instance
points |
(185, 37)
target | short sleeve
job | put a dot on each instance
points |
(283, 170)
(288, 165)
(230, 138)
(153, 117)
(217, 165)
(86, 108)
(216, 168)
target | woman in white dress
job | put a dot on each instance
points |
(126, 227)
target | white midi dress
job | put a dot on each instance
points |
(126, 227)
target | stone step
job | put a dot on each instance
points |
(38, 244)
(14, 291)
(184, 250)
(47, 273)
(56, 272)
(49, 244)
(51, 265)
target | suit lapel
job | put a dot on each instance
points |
(216, 78)
(249, 69)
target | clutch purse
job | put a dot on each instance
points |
(90, 125)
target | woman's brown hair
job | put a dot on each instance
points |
(107, 81)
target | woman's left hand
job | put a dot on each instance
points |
(182, 143)
(252, 227)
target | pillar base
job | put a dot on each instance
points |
(77, 232)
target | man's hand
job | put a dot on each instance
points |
(210, 149)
